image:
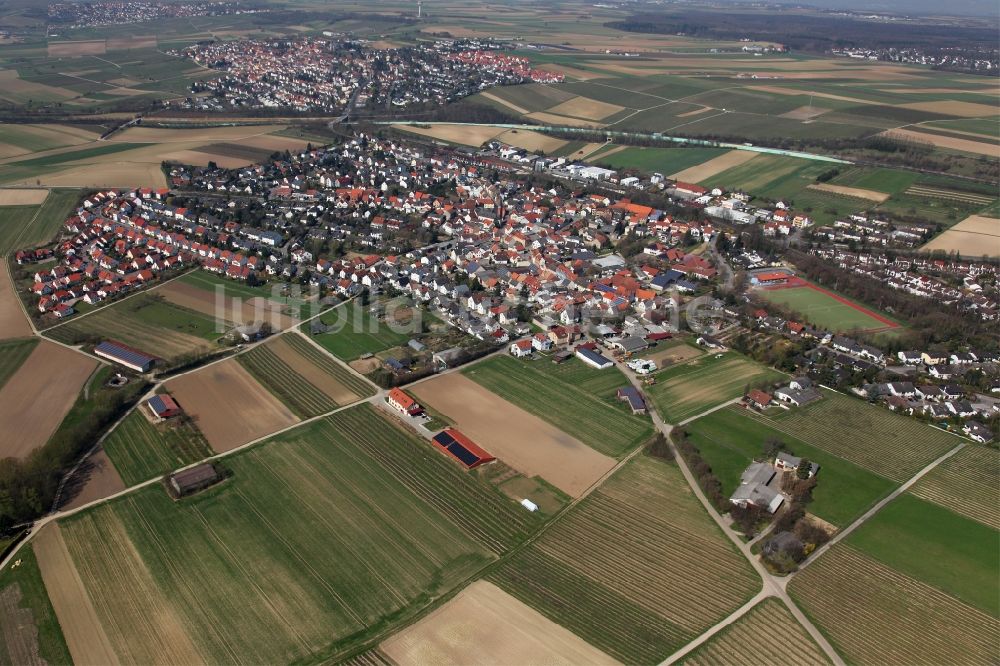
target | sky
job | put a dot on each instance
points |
(990, 8)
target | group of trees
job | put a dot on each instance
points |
(28, 486)
(701, 470)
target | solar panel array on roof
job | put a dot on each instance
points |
(124, 354)
(467, 457)
(455, 448)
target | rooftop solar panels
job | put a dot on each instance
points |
(461, 448)
(467, 457)
(125, 355)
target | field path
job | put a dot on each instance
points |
(872, 511)
(771, 586)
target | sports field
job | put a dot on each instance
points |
(140, 449)
(637, 569)
(752, 640)
(888, 444)
(686, 390)
(730, 439)
(823, 308)
(872, 613)
(318, 541)
(573, 397)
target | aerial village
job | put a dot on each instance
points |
(505, 258)
(336, 74)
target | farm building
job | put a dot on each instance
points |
(125, 355)
(192, 480)
(162, 407)
(754, 490)
(786, 462)
(758, 398)
(402, 402)
(631, 395)
(593, 358)
(462, 448)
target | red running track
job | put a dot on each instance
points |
(797, 282)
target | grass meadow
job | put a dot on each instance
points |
(575, 398)
(891, 445)
(22, 588)
(357, 332)
(937, 546)
(688, 389)
(730, 439)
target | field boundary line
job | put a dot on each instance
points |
(873, 510)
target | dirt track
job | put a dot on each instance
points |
(34, 401)
(85, 637)
(485, 625)
(522, 440)
(229, 406)
(13, 323)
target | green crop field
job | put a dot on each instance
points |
(686, 390)
(24, 603)
(144, 322)
(12, 354)
(937, 546)
(356, 331)
(746, 641)
(141, 450)
(58, 206)
(319, 540)
(730, 439)
(304, 399)
(233, 289)
(575, 398)
(889, 181)
(968, 483)
(637, 569)
(13, 222)
(820, 309)
(33, 166)
(889, 444)
(661, 160)
(874, 614)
